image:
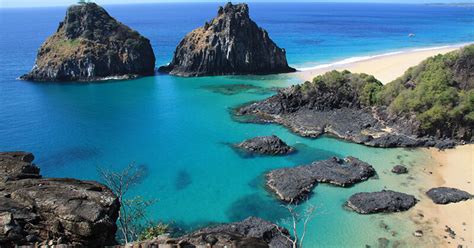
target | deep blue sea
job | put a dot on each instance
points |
(181, 128)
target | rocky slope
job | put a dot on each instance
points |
(51, 211)
(358, 108)
(251, 232)
(91, 45)
(229, 44)
(294, 183)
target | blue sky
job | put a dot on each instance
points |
(44, 3)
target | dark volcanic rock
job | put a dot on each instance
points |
(268, 145)
(399, 169)
(292, 184)
(91, 45)
(230, 44)
(251, 232)
(444, 195)
(385, 201)
(335, 104)
(64, 211)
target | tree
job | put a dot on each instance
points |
(132, 212)
(295, 218)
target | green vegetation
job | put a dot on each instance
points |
(66, 45)
(152, 231)
(351, 88)
(439, 92)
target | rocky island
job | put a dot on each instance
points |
(266, 145)
(358, 108)
(230, 44)
(294, 183)
(90, 45)
(385, 201)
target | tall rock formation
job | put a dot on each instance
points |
(91, 45)
(230, 44)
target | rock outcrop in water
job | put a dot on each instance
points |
(266, 145)
(52, 211)
(445, 195)
(385, 201)
(293, 184)
(90, 45)
(230, 44)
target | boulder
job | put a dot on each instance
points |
(60, 211)
(399, 169)
(91, 45)
(293, 184)
(266, 145)
(230, 44)
(445, 195)
(385, 201)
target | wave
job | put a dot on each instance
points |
(364, 58)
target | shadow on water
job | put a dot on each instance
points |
(69, 155)
(183, 180)
(256, 205)
(258, 182)
(234, 89)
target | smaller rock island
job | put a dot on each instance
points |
(385, 201)
(90, 45)
(293, 184)
(266, 145)
(230, 44)
(445, 195)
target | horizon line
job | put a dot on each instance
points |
(252, 1)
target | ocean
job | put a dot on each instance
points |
(181, 129)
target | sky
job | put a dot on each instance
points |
(46, 3)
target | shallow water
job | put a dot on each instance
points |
(180, 129)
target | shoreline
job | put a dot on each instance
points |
(386, 67)
(449, 168)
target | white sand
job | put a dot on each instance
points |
(385, 68)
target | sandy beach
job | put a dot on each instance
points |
(385, 67)
(449, 168)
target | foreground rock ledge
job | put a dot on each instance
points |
(61, 211)
(90, 45)
(445, 195)
(266, 145)
(293, 184)
(230, 44)
(251, 232)
(385, 201)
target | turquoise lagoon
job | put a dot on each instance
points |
(180, 128)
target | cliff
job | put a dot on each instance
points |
(229, 44)
(91, 45)
(35, 210)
